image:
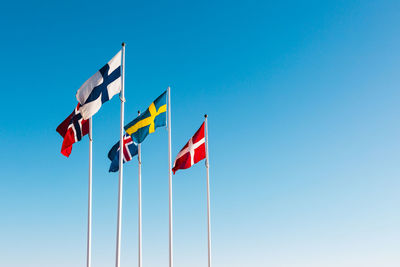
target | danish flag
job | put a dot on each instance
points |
(72, 129)
(192, 152)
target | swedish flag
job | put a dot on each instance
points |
(155, 116)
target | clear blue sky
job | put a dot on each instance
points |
(303, 103)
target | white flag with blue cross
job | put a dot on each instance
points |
(100, 88)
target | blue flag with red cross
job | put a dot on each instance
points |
(130, 150)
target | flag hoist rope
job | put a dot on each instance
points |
(140, 205)
(170, 180)
(208, 195)
(121, 144)
(89, 226)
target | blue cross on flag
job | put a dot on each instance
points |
(100, 88)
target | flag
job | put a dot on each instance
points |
(72, 129)
(147, 122)
(192, 152)
(101, 87)
(130, 150)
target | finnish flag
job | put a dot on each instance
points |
(100, 88)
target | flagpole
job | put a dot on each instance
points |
(140, 205)
(170, 180)
(89, 226)
(121, 144)
(208, 196)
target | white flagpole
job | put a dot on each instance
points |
(89, 226)
(170, 180)
(121, 155)
(140, 205)
(208, 195)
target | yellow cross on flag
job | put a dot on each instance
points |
(148, 121)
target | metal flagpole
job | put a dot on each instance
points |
(89, 226)
(140, 205)
(170, 180)
(121, 155)
(208, 195)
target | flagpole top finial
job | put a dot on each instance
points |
(205, 116)
(123, 43)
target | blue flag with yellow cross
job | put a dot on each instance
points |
(147, 122)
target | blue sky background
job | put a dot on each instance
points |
(303, 103)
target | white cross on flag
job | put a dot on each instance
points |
(192, 152)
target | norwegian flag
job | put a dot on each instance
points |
(72, 129)
(192, 152)
(130, 150)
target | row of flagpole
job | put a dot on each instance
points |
(67, 150)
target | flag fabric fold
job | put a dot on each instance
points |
(192, 152)
(146, 123)
(130, 150)
(72, 129)
(101, 87)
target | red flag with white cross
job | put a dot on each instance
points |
(192, 152)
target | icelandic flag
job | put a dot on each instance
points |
(100, 88)
(130, 150)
